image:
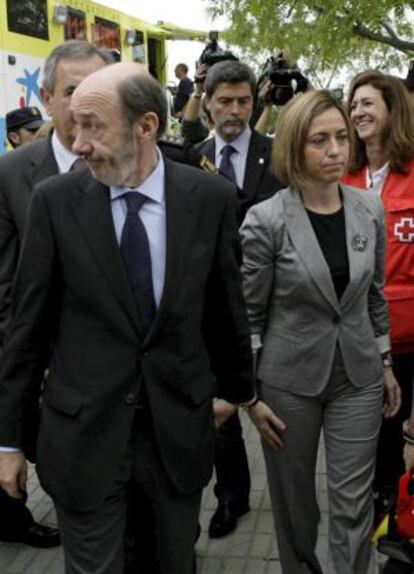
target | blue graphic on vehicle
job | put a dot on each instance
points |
(30, 81)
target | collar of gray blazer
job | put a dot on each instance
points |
(357, 223)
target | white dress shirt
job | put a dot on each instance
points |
(153, 216)
(376, 180)
(239, 157)
(65, 158)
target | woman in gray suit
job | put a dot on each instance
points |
(314, 272)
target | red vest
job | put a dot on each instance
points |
(398, 199)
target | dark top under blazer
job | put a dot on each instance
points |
(259, 183)
(72, 298)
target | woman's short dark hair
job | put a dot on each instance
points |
(288, 154)
(398, 135)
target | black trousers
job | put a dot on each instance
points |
(144, 525)
(15, 517)
(390, 462)
(232, 467)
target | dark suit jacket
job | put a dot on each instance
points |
(259, 183)
(20, 171)
(72, 299)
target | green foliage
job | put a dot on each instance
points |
(325, 34)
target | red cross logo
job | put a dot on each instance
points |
(404, 230)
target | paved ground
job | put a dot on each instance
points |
(250, 550)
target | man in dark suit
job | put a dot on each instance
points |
(20, 171)
(229, 89)
(242, 155)
(129, 282)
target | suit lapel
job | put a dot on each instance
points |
(356, 227)
(92, 208)
(257, 159)
(182, 216)
(209, 150)
(306, 244)
(42, 163)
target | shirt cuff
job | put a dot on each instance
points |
(256, 342)
(9, 449)
(383, 343)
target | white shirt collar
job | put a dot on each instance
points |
(152, 187)
(376, 180)
(64, 157)
(240, 144)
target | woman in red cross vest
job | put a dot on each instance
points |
(383, 160)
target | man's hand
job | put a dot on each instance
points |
(264, 92)
(223, 410)
(268, 424)
(199, 78)
(392, 394)
(13, 473)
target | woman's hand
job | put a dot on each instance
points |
(267, 423)
(392, 394)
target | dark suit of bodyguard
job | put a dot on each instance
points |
(126, 407)
(243, 156)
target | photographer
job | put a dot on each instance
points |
(194, 127)
(279, 82)
(286, 80)
(197, 123)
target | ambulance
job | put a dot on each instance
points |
(30, 29)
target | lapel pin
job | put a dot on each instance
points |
(207, 165)
(359, 242)
(261, 160)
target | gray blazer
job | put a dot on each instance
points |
(291, 298)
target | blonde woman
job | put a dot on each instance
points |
(313, 274)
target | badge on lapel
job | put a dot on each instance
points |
(207, 165)
(359, 242)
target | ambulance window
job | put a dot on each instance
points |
(75, 27)
(28, 17)
(106, 34)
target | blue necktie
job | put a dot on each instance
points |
(226, 167)
(135, 252)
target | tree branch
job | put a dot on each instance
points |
(392, 40)
(390, 31)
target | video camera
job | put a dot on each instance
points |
(285, 80)
(212, 53)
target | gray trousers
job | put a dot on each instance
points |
(144, 526)
(350, 419)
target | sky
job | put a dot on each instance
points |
(186, 13)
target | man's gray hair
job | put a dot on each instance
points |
(70, 50)
(228, 72)
(141, 94)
